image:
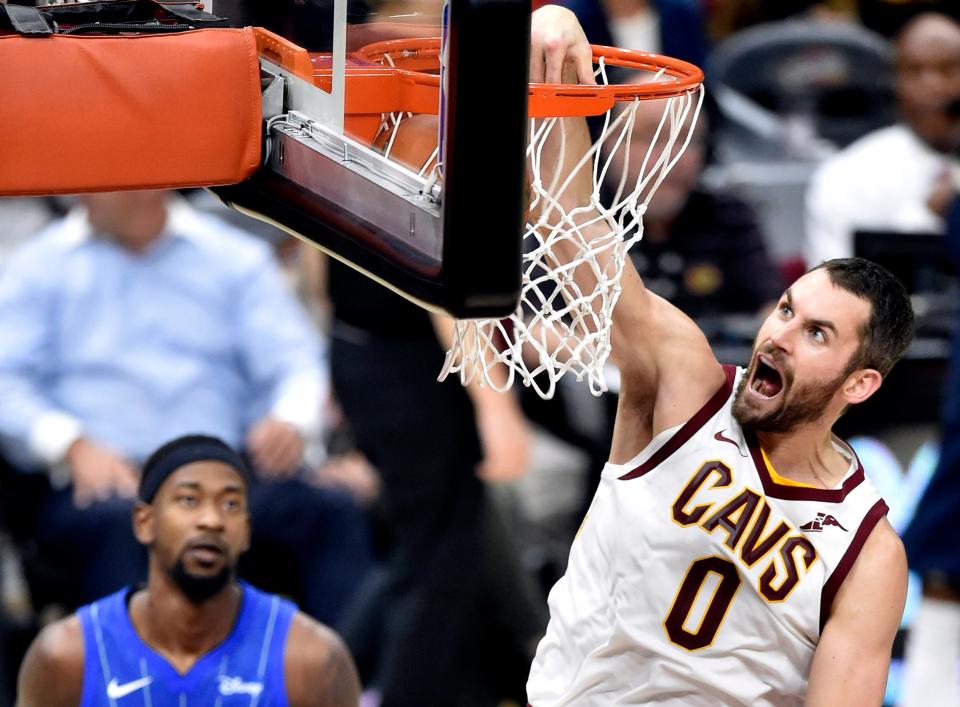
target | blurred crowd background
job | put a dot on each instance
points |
(424, 522)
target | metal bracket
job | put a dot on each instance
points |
(272, 98)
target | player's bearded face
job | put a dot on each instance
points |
(199, 587)
(770, 400)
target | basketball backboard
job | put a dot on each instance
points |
(448, 235)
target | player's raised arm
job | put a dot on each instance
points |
(667, 367)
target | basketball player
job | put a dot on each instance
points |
(734, 553)
(194, 635)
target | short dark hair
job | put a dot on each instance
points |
(888, 332)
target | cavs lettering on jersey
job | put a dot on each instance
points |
(699, 577)
(120, 670)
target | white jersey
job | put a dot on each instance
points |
(697, 578)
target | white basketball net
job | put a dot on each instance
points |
(557, 328)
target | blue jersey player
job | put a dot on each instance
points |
(195, 635)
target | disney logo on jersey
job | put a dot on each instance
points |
(236, 686)
(751, 534)
(822, 521)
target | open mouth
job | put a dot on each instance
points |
(206, 552)
(767, 381)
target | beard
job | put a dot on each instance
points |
(199, 589)
(798, 406)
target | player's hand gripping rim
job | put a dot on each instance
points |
(556, 39)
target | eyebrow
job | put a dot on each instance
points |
(195, 485)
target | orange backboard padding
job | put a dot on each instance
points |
(370, 89)
(105, 113)
(284, 53)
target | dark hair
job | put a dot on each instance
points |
(887, 333)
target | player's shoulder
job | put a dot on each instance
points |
(317, 663)
(60, 643)
(872, 596)
(880, 567)
(52, 670)
(311, 641)
(884, 547)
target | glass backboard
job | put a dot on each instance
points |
(396, 137)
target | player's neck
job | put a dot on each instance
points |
(805, 455)
(176, 627)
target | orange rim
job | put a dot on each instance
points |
(403, 75)
(415, 55)
(677, 77)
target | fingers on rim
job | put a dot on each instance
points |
(555, 58)
(584, 63)
(536, 66)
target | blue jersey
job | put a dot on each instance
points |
(120, 670)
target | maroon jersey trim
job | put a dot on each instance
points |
(690, 427)
(802, 493)
(832, 585)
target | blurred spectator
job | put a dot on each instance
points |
(306, 23)
(888, 16)
(134, 320)
(702, 248)
(672, 27)
(729, 16)
(795, 90)
(933, 647)
(883, 180)
(452, 578)
(22, 218)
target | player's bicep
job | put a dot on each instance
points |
(853, 657)
(657, 347)
(846, 672)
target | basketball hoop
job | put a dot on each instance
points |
(558, 328)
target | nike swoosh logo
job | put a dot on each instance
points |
(722, 438)
(115, 690)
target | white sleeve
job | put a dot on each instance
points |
(51, 436)
(300, 402)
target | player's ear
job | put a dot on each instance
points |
(860, 385)
(144, 527)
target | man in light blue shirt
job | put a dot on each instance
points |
(132, 321)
